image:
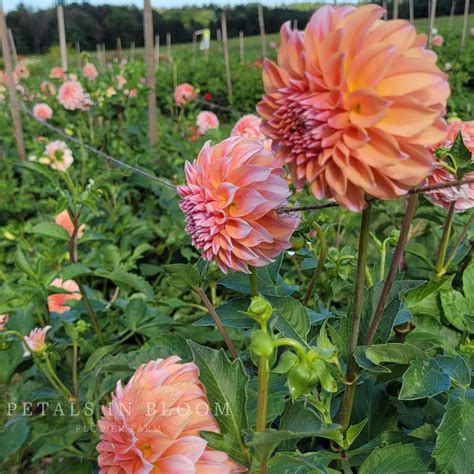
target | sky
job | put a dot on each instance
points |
(11, 4)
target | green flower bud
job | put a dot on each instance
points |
(394, 236)
(327, 380)
(260, 308)
(4, 346)
(261, 343)
(286, 362)
(298, 380)
(297, 243)
(81, 326)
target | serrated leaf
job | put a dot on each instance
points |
(98, 355)
(13, 435)
(394, 353)
(135, 312)
(231, 314)
(52, 230)
(121, 277)
(290, 317)
(226, 389)
(453, 451)
(70, 272)
(423, 300)
(182, 276)
(296, 463)
(468, 286)
(395, 459)
(423, 379)
(454, 308)
(456, 368)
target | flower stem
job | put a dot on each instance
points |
(217, 321)
(458, 243)
(75, 385)
(92, 316)
(263, 378)
(443, 245)
(397, 256)
(253, 281)
(323, 251)
(356, 317)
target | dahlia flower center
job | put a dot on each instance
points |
(58, 155)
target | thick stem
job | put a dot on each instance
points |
(458, 243)
(323, 251)
(356, 317)
(217, 322)
(92, 316)
(394, 266)
(253, 281)
(262, 400)
(443, 245)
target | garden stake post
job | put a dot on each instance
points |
(150, 70)
(119, 47)
(242, 47)
(157, 51)
(385, 7)
(451, 15)
(104, 61)
(226, 56)
(295, 24)
(99, 58)
(13, 47)
(411, 8)
(464, 24)
(432, 23)
(78, 55)
(219, 39)
(62, 37)
(168, 48)
(132, 50)
(395, 9)
(14, 107)
(261, 24)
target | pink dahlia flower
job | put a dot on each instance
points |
(131, 93)
(231, 199)
(59, 155)
(72, 97)
(42, 112)
(36, 340)
(22, 71)
(248, 126)
(89, 71)
(121, 81)
(472, 31)
(153, 424)
(4, 318)
(58, 302)
(48, 88)
(183, 94)
(64, 220)
(438, 40)
(57, 72)
(352, 104)
(206, 121)
(4, 78)
(467, 133)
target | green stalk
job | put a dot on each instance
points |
(253, 281)
(356, 318)
(458, 243)
(321, 261)
(92, 316)
(443, 245)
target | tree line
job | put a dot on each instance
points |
(35, 31)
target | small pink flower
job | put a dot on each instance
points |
(273, 45)
(64, 220)
(206, 121)
(248, 126)
(89, 71)
(153, 424)
(4, 78)
(72, 97)
(183, 94)
(36, 340)
(131, 93)
(42, 112)
(59, 155)
(121, 81)
(231, 199)
(57, 72)
(438, 40)
(22, 71)
(48, 88)
(4, 318)
(472, 31)
(58, 302)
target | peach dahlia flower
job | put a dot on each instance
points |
(58, 302)
(36, 340)
(64, 220)
(231, 199)
(58, 155)
(248, 126)
(352, 103)
(183, 94)
(206, 121)
(153, 424)
(57, 72)
(89, 71)
(71, 96)
(42, 112)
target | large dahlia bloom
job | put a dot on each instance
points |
(352, 104)
(231, 198)
(59, 302)
(153, 424)
(89, 71)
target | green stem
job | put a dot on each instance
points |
(356, 318)
(291, 343)
(253, 281)
(323, 251)
(75, 385)
(443, 245)
(69, 183)
(92, 316)
(58, 381)
(458, 243)
(383, 257)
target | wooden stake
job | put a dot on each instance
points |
(157, 51)
(99, 58)
(411, 8)
(62, 37)
(451, 15)
(295, 24)
(169, 55)
(226, 56)
(132, 50)
(13, 47)
(432, 22)
(78, 55)
(261, 23)
(242, 47)
(385, 7)
(219, 39)
(119, 47)
(104, 60)
(14, 107)
(464, 24)
(395, 9)
(150, 70)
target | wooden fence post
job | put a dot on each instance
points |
(295, 24)
(78, 55)
(219, 39)
(464, 24)
(226, 56)
(432, 22)
(150, 69)
(261, 23)
(169, 55)
(62, 37)
(104, 60)
(395, 10)
(411, 7)
(242, 47)
(119, 47)
(14, 106)
(12, 44)
(99, 57)
(157, 51)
